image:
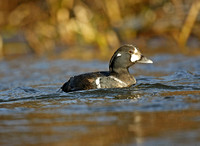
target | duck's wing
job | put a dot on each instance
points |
(82, 82)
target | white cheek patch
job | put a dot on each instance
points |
(119, 54)
(98, 82)
(135, 57)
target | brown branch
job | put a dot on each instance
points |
(189, 23)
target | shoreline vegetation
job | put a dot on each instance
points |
(86, 30)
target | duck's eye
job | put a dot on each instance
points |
(130, 51)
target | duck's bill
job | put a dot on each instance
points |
(144, 60)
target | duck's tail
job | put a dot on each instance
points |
(66, 87)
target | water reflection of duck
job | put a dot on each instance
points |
(118, 75)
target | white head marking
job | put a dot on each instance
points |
(135, 50)
(119, 54)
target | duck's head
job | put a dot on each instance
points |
(126, 56)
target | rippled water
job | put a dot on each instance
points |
(163, 108)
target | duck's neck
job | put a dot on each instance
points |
(123, 74)
(119, 71)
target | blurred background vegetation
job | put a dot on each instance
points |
(93, 29)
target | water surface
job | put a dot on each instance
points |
(163, 108)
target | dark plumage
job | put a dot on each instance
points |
(118, 75)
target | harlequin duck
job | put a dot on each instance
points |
(118, 75)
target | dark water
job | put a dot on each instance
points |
(163, 108)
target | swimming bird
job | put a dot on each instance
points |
(118, 75)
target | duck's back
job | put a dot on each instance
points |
(83, 81)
